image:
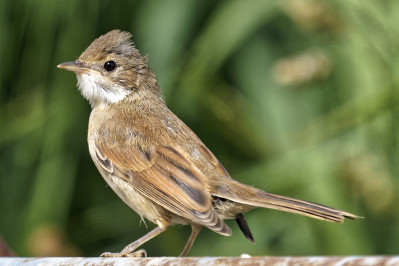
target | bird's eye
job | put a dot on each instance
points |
(110, 65)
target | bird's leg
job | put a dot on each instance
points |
(195, 229)
(129, 250)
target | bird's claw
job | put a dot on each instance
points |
(136, 254)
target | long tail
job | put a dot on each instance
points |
(247, 195)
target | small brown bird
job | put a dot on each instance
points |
(152, 160)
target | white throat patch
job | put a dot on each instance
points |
(98, 91)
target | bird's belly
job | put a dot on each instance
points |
(142, 205)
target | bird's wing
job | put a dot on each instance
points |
(164, 174)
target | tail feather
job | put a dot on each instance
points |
(251, 196)
(307, 208)
(242, 223)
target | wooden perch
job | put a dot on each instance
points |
(244, 260)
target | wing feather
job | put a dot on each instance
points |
(165, 175)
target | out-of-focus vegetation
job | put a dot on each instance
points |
(297, 97)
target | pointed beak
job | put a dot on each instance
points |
(75, 66)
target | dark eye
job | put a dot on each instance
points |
(110, 65)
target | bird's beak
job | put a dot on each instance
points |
(75, 66)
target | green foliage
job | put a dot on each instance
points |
(295, 97)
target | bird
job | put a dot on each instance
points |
(153, 161)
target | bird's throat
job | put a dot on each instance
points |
(99, 90)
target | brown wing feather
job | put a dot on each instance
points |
(242, 223)
(166, 176)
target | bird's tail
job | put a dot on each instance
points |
(235, 191)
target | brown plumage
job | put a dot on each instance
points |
(152, 160)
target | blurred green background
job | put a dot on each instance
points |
(297, 97)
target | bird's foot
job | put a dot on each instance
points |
(136, 254)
